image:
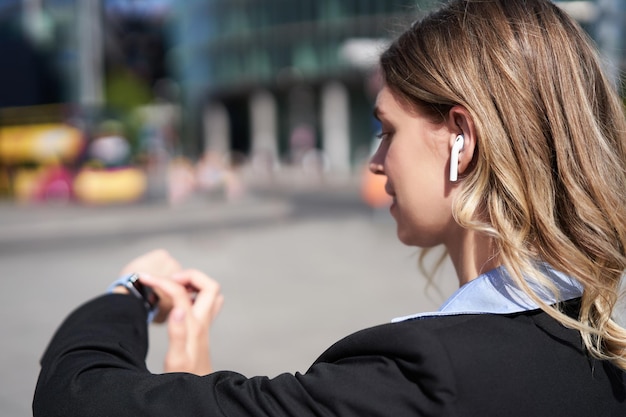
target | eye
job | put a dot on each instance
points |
(383, 135)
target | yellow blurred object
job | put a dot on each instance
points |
(40, 143)
(26, 183)
(5, 182)
(122, 185)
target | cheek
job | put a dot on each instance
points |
(423, 212)
(423, 186)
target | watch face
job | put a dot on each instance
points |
(151, 297)
(147, 293)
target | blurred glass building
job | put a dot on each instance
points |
(285, 81)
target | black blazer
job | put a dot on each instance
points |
(518, 365)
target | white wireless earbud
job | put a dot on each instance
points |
(454, 157)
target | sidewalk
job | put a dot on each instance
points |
(22, 225)
(27, 226)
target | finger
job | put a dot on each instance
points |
(196, 281)
(217, 306)
(176, 357)
(207, 300)
(165, 305)
(192, 278)
(208, 292)
(176, 292)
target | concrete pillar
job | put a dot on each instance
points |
(264, 129)
(302, 123)
(216, 129)
(90, 53)
(335, 109)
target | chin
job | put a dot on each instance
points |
(416, 238)
(406, 237)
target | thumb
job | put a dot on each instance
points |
(176, 357)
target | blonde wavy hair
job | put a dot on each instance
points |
(548, 181)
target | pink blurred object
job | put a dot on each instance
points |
(46, 183)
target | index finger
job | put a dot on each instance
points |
(208, 290)
(175, 291)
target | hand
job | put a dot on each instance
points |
(190, 319)
(158, 263)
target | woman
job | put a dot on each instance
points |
(501, 140)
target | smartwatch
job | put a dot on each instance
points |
(136, 288)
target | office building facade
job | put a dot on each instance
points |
(283, 81)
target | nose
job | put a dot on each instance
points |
(376, 164)
(376, 168)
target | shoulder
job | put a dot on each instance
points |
(490, 340)
(488, 362)
(444, 330)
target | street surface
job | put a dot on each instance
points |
(299, 268)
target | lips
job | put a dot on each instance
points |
(389, 190)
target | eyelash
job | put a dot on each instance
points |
(383, 135)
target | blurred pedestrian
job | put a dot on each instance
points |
(503, 141)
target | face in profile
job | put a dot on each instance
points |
(414, 154)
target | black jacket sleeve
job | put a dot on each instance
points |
(95, 366)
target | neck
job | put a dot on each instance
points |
(472, 254)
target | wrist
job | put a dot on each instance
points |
(120, 289)
(129, 285)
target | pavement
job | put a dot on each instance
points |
(29, 226)
(33, 226)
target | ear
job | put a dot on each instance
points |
(460, 122)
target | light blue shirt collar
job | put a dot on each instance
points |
(495, 292)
